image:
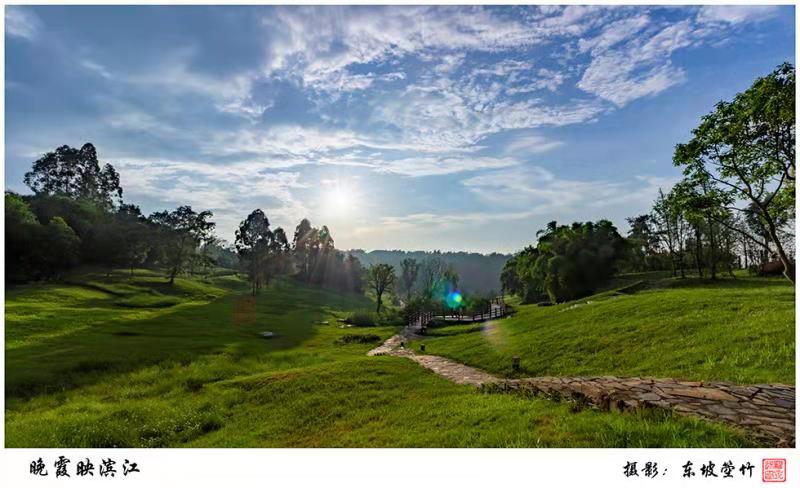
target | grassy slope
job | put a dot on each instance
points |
(740, 330)
(84, 369)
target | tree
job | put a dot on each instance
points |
(681, 225)
(76, 174)
(60, 247)
(380, 278)
(261, 248)
(22, 231)
(666, 224)
(746, 147)
(433, 273)
(133, 238)
(303, 236)
(643, 239)
(567, 262)
(222, 252)
(353, 274)
(704, 206)
(182, 232)
(409, 270)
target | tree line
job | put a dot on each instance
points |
(733, 208)
(478, 273)
(310, 257)
(76, 216)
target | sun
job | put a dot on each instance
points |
(340, 198)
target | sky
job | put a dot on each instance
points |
(417, 128)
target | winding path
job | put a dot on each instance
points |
(765, 410)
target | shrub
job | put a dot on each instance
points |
(358, 339)
(362, 319)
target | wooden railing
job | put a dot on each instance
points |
(497, 308)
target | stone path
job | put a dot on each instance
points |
(766, 410)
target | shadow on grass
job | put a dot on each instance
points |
(743, 283)
(177, 335)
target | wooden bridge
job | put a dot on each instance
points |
(418, 323)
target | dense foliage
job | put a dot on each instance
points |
(317, 261)
(567, 262)
(478, 273)
(76, 216)
(735, 205)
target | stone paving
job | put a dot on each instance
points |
(765, 410)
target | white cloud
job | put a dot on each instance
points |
(96, 68)
(429, 166)
(615, 33)
(208, 186)
(22, 22)
(171, 75)
(543, 192)
(530, 144)
(319, 49)
(450, 117)
(639, 67)
(736, 14)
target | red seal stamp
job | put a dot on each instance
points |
(773, 470)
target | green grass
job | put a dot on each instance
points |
(740, 330)
(82, 370)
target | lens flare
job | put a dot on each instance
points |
(454, 299)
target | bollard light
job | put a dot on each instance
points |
(422, 347)
(515, 363)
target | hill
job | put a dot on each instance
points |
(732, 329)
(97, 362)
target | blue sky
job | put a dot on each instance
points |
(457, 128)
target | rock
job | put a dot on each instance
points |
(703, 393)
(267, 334)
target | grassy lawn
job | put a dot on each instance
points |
(131, 361)
(740, 330)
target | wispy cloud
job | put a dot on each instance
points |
(461, 98)
(640, 67)
(736, 14)
(22, 22)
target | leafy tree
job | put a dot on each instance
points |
(665, 220)
(353, 274)
(304, 237)
(434, 275)
(22, 230)
(409, 270)
(75, 173)
(182, 231)
(59, 248)
(643, 239)
(744, 150)
(567, 262)
(509, 279)
(261, 248)
(222, 253)
(380, 278)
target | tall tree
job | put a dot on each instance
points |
(409, 270)
(183, 231)
(301, 245)
(380, 278)
(75, 173)
(262, 249)
(666, 223)
(747, 148)
(433, 273)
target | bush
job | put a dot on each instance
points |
(362, 319)
(358, 339)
